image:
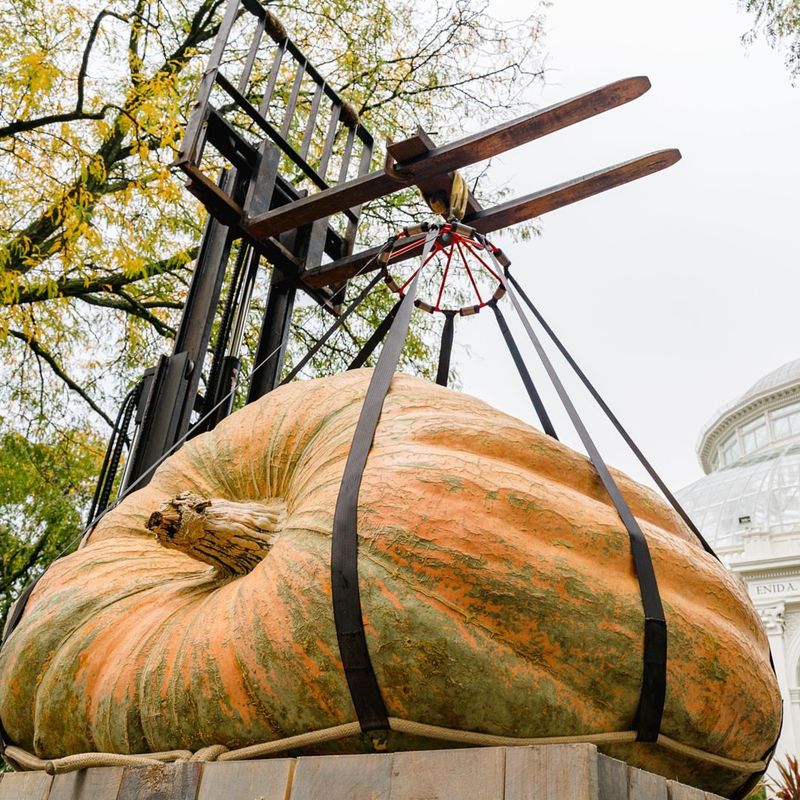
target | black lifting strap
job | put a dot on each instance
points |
(654, 668)
(614, 421)
(446, 348)
(361, 679)
(377, 337)
(536, 400)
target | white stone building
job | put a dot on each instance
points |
(748, 507)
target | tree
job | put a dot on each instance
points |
(97, 236)
(779, 22)
(43, 492)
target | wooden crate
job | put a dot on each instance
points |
(550, 772)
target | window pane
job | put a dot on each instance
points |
(786, 421)
(754, 435)
(729, 451)
(794, 408)
(781, 427)
(754, 425)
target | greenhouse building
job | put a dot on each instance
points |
(748, 507)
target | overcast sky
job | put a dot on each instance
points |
(676, 292)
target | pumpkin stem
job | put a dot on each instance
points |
(233, 537)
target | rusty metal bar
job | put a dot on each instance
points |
(330, 139)
(191, 146)
(352, 225)
(274, 71)
(311, 123)
(291, 106)
(346, 154)
(247, 69)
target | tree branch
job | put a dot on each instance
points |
(30, 558)
(129, 305)
(134, 59)
(46, 356)
(76, 287)
(22, 126)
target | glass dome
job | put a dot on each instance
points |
(751, 452)
(782, 376)
(761, 493)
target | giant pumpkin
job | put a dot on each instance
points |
(496, 580)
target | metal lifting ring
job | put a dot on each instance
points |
(458, 245)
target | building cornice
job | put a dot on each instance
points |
(737, 414)
(765, 569)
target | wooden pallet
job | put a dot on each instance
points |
(550, 772)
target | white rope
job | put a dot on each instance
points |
(26, 761)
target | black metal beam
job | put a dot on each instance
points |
(167, 407)
(273, 337)
(160, 407)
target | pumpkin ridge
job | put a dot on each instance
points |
(191, 611)
(633, 492)
(144, 646)
(539, 674)
(55, 661)
(265, 713)
(467, 618)
(305, 440)
(142, 654)
(106, 605)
